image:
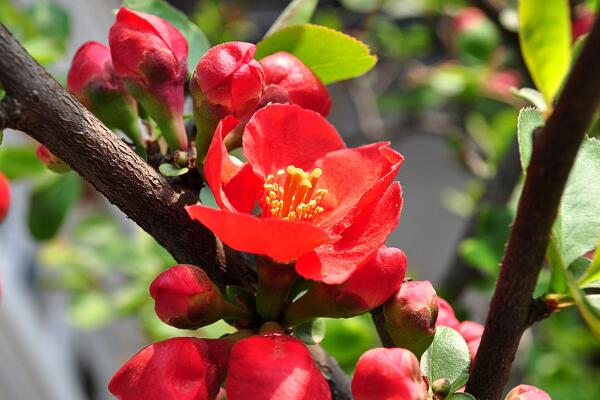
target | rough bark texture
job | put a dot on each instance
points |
(36, 104)
(554, 152)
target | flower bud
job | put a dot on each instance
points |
(93, 80)
(446, 316)
(388, 374)
(4, 196)
(527, 392)
(369, 287)
(582, 21)
(53, 163)
(185, 297)
(226, 81)
(274, 367)
(303, 87)
(151, 56)
(410, 316)
(180, 368)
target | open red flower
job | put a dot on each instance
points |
(327, 206)
(4, 196)
(388, 374)
(180, 368)
(274, 367)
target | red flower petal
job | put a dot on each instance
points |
(354, 178)
(4, 196)
(388, 374)
(446, 316)
(527, 392)
(91, 62)
(235, 187)
(274, 367)
(280, 135)
(282, 240)
(334, 262)
(180, 368)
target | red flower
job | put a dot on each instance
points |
(274, 367)
(527, 392)
(93, 80)
(324, 205)
(446, 316)
(4, 196)
(186, 298)
(411, 314)
(151, 55)
(368, 287)
(303, 87)
(471, 331)
(180, 368)
(388, 374)
(228, 80)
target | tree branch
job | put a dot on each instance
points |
(36, 104)
(554, 152)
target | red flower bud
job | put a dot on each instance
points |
(186, 298)
(274, 367)
(527, 392)
(303, 87)
(446, 316)
(4, 196)
(368, 287)
(388, 374)
(151, 55)
(50, 160)
(180, 368)
(93, 80)
(411, 314)
(228, 80)
(468, 18)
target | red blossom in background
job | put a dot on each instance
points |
(4, 196)
(301, 84)
(324, 205)
(180, 368)
(446, 316)
(388, 374)
(151, 55)
(228, 80)
(471, 331)
(527, 392)
(274, 367)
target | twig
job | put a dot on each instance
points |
(554, 152)
(379, 322)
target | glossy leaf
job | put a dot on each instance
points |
(447, 357)
(197, 41)
(529, 120)
(333, 56)
(297, 12)
(50, 202)
(545, 36)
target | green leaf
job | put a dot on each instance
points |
(460, 396)
(90, 310)
(20, 162)
(50, 202)
(545, 36)
(447, 357)
(297, 12)
(170, 170)
(532, 96)
(593, 272)
(589, 306)
(459, 382)
(529, 120)
(311, 332)
(197, 41)
(333, 56)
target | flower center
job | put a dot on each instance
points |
(290, 194)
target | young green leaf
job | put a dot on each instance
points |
(589, 306)
(447, 357)
(460, 396)
(311, 332)
(593, 272)
(297, 12)
(459, 382)
(529, 120)
(170, 170)
(197, 41)
(20, 162)
(532, 96)
(50, 202)
(545, 36)
(333, 56)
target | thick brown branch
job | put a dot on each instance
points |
(35, 103)
(553, 156)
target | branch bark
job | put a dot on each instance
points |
(36, 104)
(554, 152)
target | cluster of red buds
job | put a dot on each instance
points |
(326, 211)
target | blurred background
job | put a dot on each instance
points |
(75, 271)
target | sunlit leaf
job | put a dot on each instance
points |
(297, 12)
(447, 357)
